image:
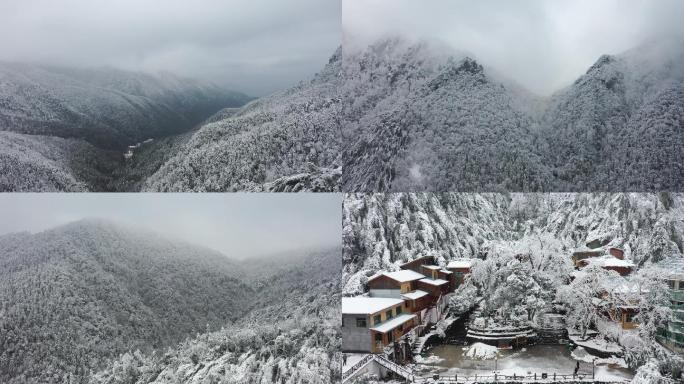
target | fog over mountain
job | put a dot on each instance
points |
(146, 95)
(422, 116)
(543, 45)
(255, 47)
(97, 301)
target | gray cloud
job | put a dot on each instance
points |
(238, 225)
(256, 46)
(542, 44)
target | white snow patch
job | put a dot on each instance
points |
(480, 351)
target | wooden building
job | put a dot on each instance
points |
(459, 268)
(416, 264)
(617, 253)
(580, 258)
(393, 284)
(369, 324)
(435, 287)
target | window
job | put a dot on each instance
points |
(388, 314)
(378, 337)
(361, 322)
(376, 319)
(398, 310)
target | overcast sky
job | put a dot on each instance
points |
(542, 44)
(255, 46)
(238, 225)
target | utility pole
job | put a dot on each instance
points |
(593, 368)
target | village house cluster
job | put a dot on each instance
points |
(400, 304)
(612, 259)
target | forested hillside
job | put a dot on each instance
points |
(98, 302)
(291, 336)
(381, 231)
(106, 107)
(420, 116)
(77, 295)
(288, 141)
(66, 129)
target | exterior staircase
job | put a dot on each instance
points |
(404, 372)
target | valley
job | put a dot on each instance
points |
(64, 129)
(421, 116)
(97, 302)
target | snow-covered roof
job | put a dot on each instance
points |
(611, 261)
(445, 271)
(434, 267)
(434, 281)
(367, 305)
(417, 294)
(416, 259)
(393, 323)
(401, 276)
(460, 263)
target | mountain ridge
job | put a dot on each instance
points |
(417, 120)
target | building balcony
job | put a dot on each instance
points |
(677, 295)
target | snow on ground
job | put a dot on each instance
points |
(597, 344)
(432, 359)
(533, 359)
(352, 358)
(581, 354)
(480, 351)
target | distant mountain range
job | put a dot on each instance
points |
(422, 117)
(67, 130)
(76, 298)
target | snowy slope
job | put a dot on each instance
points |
(286, 141)
(65, 129)
(421, 117)
(381, 231)
(75, 296)
(621, 123)
(106, 107)
(292, 336)
(33, 163)
(418, 116)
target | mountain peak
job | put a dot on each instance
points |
(601, 62)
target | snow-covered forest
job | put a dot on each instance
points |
(68, 130)
(288, 141)
(523, 244)
(424, 117)
(65, 129)
(94, 301)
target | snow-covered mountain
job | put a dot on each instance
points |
(381, 231)
(288, 141)
(418, 116)
(107, 107)
(76, 299)
(291, 336)
(65, 129)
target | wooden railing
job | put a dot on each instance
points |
(579, 378)
(400, 370)
(349, 372)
